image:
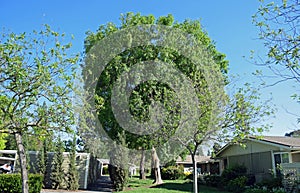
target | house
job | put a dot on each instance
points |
(261, 156)
(82, 162)
(205, 164)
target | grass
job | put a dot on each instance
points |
(169, 186)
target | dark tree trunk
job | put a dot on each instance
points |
(23, 163)
(142, 166)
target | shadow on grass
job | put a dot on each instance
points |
(184, 187)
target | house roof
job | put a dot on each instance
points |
(292, 143)
(198, 158)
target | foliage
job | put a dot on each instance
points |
(246, 114)
(213, 180)
(118, 167)
(11, 183)
(72, 175)
(295, 133)
(233, 172)
(42, 162)
(275, 182)
(36, 82)
(3, 140)
(237, 185)
(57, 172)
(149, 93)
(263, 189)
(278, 24)
(173, 173)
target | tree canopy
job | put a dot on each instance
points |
(36, 83)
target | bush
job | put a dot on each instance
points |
(212, 180)
(233, 172)
(271, 183)
(188, 175)
(257, 190)
(173, 173)
(264, 189)
(118, 175)
(237, 185)
(11, 183)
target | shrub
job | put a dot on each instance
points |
(264, 189)
(237, 185)
(188, 175)
(256, 190)
(271, 183)
(212, 180)
(172, 173)
(118, 175)
(233, 172)
(11, 183)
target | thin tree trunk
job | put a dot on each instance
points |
(195, 174)
(156, 167)
(23, 164)
(142, 165)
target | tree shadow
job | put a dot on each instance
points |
(184, 187)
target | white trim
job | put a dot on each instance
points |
(290, 157)
(86, 171)
(9, 151)
(295, 152)
(273, 162)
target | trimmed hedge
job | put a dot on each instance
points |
(11, 183)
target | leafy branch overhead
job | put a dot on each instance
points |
(36, 87)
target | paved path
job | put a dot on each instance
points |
(102, 185)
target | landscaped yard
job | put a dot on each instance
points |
(169, 186)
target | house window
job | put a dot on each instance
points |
(279, 158)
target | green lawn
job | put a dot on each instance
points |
(169, 186)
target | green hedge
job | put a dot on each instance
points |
(11, 183)
(172, 173)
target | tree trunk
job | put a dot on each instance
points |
(195, 174)
(156, 167)
(23, 164)
(142, 166)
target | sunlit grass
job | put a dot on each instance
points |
(169, 186)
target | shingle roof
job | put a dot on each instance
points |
(199, 159)
(292, 142)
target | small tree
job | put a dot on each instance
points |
(34, 69)
(72, 183)
(118, 166)
(57, 172)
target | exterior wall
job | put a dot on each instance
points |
(251, 147)
(255, 162)
(296, 157)
(82, 162)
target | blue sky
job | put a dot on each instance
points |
(228, 23)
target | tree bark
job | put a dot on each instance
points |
(142, 166)
(156, 167)
(23, 162)
(195, 174)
